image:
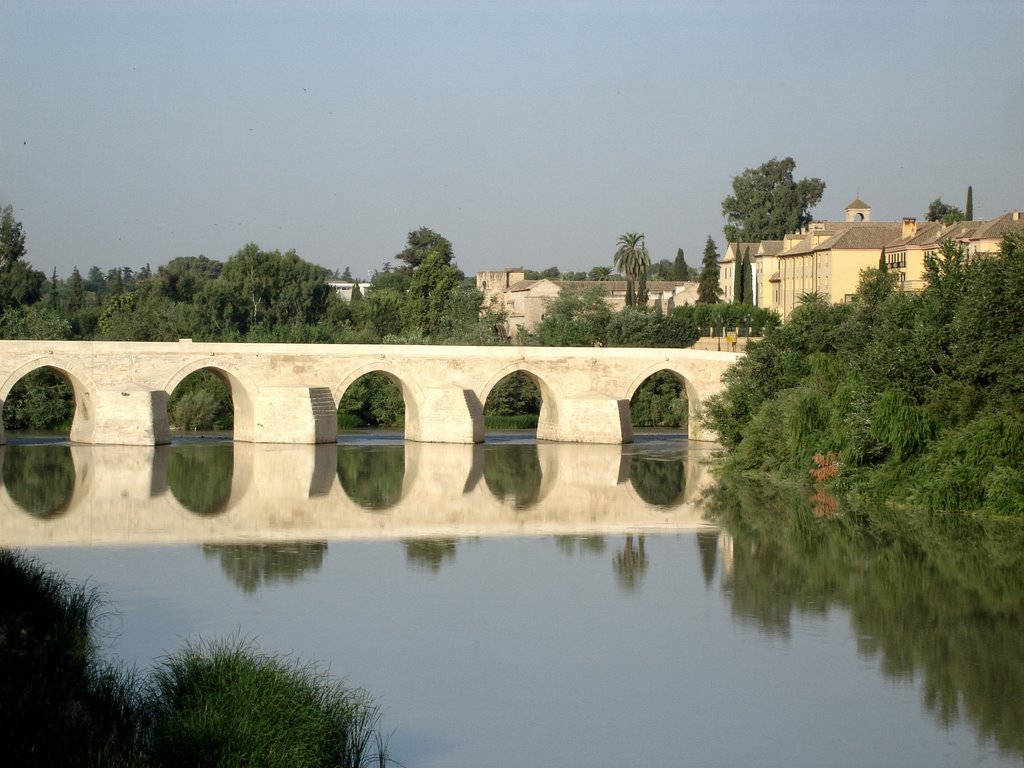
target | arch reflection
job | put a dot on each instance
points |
(513, 473)
(200, 476)
(219, 492)
(372, 476)
(658, 480)
(40, 479)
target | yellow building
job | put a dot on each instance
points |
(827, 257)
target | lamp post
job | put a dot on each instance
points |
(718, 331)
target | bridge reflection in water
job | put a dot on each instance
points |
(225, 492)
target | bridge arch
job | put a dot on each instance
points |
(685, 377)
(82, 387)
(549, 406)
(411, 393)
(242, 388)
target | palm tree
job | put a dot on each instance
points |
(633, 261)
(601, 273)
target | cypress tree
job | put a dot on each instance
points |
(679, 269)
(969, 210)
(882, 266)
(77, 300)
(748, 279)
(737, 278)
(708, 288)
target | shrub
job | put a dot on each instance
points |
(227, 704)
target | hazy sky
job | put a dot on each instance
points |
(528, 133)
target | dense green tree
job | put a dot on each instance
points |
(916, 396)
(940, 211)
(632, 260)
(577, 318)
(265, 289)
(969, 210)
(147, 317)
(20, 285)
(12, 238)
(182, 278)
(600, 273)
(767, 202)
(422, 242)
(428, 302)
(379, 313)
(34, 322)
(708, 289)
(396, 280)
(76, 291)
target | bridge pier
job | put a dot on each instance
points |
(587, 418)
(447, 415)
(127, 415)
(291, 415)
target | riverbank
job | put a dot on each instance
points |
(223, 703)
(909, 399)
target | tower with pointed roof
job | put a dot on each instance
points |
(858, 211)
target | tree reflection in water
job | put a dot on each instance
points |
(657, 480)
(429, 554)
(250, 566)
(513, 471)
(199, 476)
(631, 563)
(572, 545)
(941, 599)
(372, 476)
(39, 478)
(707, 545)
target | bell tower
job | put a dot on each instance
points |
(858, 211)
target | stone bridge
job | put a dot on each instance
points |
(289, 393)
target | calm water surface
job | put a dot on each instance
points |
(518, 604)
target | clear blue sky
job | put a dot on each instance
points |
(528, 133)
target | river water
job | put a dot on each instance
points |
(515, 604)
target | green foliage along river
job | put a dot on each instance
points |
(906, 398)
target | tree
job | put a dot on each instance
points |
(940, 211)
(708, 289)
(679, 269)
(767, 203)
(428, 301)
(969, 210)
(633, 261)
(737, 277)
(601, 274)
(423, 242)
(883, 265)
(20, 285)
(266, 289)
(12, 239)
(182, 279)
(347, 275)
(76, 297)
(747, 279)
